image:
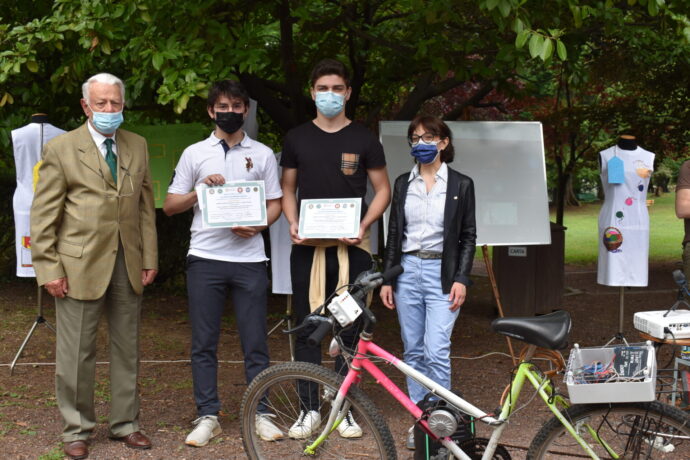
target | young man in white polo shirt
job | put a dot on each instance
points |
(222, 259)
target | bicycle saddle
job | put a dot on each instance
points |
(547, 331)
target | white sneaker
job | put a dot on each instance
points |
(348, 428)
(207, 427)
(409, 439)
(266, 429)
(305, 424)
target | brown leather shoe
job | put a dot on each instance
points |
(136, 440)
(76, 450)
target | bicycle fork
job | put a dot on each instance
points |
(338, 407)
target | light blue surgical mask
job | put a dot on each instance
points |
(329, 103)
(107, 122)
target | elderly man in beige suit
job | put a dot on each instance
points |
(94, 248)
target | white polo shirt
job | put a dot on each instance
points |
(248, 160)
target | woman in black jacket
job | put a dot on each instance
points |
(432, 233)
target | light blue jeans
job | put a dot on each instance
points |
(426, 322)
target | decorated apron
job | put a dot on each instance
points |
(623, 220)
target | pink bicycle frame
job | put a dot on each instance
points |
(361, 362)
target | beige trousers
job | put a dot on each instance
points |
(77, 324)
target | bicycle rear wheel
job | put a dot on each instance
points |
(645, 430)
(276, 390)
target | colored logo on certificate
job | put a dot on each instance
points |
(337, 206)
(239, 189)
(211, 192)
(247, 190)
(26, 242)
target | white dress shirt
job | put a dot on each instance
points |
(424, 212)
(99, 139)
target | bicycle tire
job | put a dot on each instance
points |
(642, 430)
(276, 388)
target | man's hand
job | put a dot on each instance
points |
(214, 179)
(354, 241)
(458, 292)
(148, 275)
(387, 297)
(247, 232)
(294, 234)
(57, 288)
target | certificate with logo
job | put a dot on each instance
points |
(233, 204)
(330, 218)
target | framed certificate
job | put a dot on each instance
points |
(330, 218)
(233, 204)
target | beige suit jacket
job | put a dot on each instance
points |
(78, 213)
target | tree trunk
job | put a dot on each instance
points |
(570, 197)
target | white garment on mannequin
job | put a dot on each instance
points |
(26, 142)
(624, 221)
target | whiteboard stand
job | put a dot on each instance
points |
(497, 296)
(39, 320)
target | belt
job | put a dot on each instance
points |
(426, 254)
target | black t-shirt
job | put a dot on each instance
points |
(332, 165)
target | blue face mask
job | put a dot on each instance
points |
(425, 153)
(329, 103)
(107, 122)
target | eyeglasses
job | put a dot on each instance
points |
(426, 137)
(124, 192)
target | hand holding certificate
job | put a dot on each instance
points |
(330, 218)
(234, 204)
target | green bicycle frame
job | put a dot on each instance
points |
(544, 387)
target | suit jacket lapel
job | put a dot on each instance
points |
(91, 156)
(124, 159)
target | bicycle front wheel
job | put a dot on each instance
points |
(645, 430)
(284, 390)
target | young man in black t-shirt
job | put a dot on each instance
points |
(329, 157)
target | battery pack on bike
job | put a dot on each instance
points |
(443, 420)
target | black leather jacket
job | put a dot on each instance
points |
(459, 228)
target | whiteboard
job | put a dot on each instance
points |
(506, 162)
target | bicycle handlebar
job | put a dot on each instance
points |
(320, 332)
(359, 289)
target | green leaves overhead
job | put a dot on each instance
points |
(403, 52)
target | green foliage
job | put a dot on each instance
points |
(587, 70)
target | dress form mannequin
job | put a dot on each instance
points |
(28, 142)
(623, 220)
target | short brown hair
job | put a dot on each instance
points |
(437, 127)
(229, 88)
(330, 67)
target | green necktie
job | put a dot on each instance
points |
(111, 158)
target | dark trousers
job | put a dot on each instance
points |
(208, 282)
(300, 266)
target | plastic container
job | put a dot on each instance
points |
(588, 381)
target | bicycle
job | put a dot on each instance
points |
(620, 430)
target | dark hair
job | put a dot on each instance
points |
(228, 88)
(330, 67)
(437, 127)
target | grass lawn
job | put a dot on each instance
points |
(665, 233)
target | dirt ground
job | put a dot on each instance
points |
(30, 422)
